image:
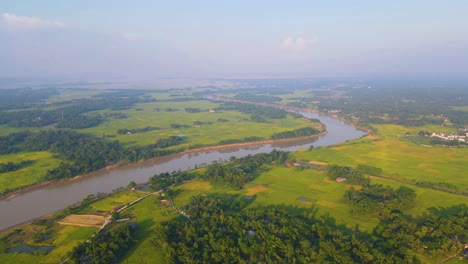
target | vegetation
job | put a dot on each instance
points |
(348, 174)
(398, 159)
(380, 200)
(122, 131)
(301, 132)
(257, 113)
(168, 142)
(221, 232)
(106, 247)
(10, 166)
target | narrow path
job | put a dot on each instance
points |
(179, 211)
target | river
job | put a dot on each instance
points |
(55, 197)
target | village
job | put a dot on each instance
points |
(452, 137)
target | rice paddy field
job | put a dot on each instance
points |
(398, 158)
(234, 125)
(41, 162)
(62, 237)
(295, 186)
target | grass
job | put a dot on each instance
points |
(460, 108)
(31, 174)
(63, 238)
(5, 130)
(238, 126)
(107, 204)
(292, 186)
(398, 158)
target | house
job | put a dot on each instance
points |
(340, 179)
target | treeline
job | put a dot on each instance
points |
(11, 143)
(164, 180)
(367, 169)
(71, 114)
(244, 140)
(257, 113)
(241, 171)
(107, 246)
(451, 143)
(168, 142)
(23, 98)
(81, 153)
(235, 173)
(399, 105)
(194, 110)
(136, 130)
(222, 233)
(443, 186)
(11, 166)
(300, 132)
(257, 98)
(350, 175)
(380, 200)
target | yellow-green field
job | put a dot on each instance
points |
(238, 126)
(398, 158)
(64, 238)
(42, 161)
(276, 186)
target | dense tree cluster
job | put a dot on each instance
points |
(399, 105)
(81, 153)
(193, 110)
(257, 98)
(240, 171)
(367, 169)
(444, 186)
(349, 174)
(23, 98)
(300, 132)
(11, 166)
(257, 113)
(222, 231)
(380, 200)
(136, 130)
(164, 180)
(169, 142)
(71, 114)
(200, 123)
(105, 247)
(80, 121)
(234, 141)
(11, 143)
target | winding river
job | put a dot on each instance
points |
(55, 197)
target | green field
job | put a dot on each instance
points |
(143, 115)
(64, 238)
(294, 186)
(42, 161)
(238, 125)
(399, 159)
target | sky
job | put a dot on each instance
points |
(150, 39)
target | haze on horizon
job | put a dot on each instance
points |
(145, 39)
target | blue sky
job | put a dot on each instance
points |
(103, 39)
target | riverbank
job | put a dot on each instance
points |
(40, 185)
(292, 108)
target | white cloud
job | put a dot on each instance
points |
(297, 44)
(132, 36)
(14, 22)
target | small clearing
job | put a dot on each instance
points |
(83, 220)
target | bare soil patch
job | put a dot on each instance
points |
(83, 220)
